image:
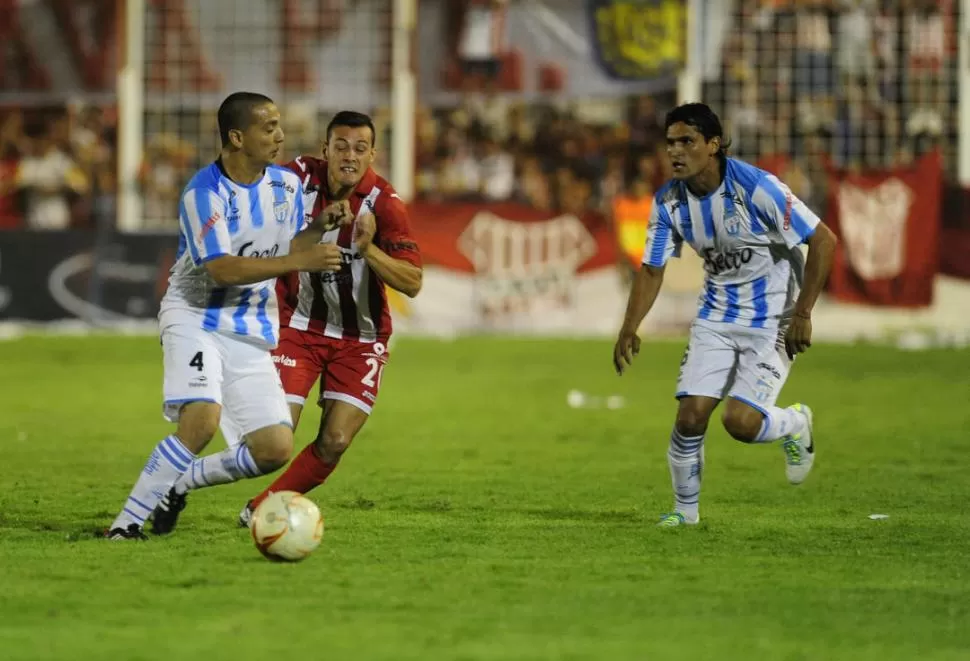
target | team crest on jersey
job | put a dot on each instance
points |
(732, 224)
(282, 211)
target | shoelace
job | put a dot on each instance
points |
(793, 452)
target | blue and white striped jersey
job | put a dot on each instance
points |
(747, 232)
(218, 217)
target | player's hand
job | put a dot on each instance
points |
(334, 215)
(627, 346)
(364, 230)
(321, 257)
(799, 336)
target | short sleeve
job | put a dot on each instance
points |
(663, 242)
(785, 215)
(394, 231)
(202, 220)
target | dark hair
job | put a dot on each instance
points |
(236, 112)
(701, 118)
(354, 120)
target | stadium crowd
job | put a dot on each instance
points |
(804, 85)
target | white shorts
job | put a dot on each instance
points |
(210, 367)
(724, 360)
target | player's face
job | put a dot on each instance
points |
(263, 140)
(349, 152)
(689, 153)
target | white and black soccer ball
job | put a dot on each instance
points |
(287, 527)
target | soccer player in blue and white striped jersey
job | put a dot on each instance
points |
(755, 309)
(241, 226)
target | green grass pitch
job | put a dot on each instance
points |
(479, 518)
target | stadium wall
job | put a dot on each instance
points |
(501, 270)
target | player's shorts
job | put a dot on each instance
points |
(725, 360)
(210, 367)
(349, 371)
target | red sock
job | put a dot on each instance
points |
(306, 472)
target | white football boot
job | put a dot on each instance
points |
(799, 448)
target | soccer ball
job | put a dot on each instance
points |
(287, 526)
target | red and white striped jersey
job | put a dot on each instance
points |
(350, 303)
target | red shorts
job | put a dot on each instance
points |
(349, 371)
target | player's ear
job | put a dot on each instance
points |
(715, 144)
(235, 138)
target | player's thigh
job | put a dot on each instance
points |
(299, 360)
(253, 396)
(708, 364)
(763, 368)
(192, 370)
(353, 375)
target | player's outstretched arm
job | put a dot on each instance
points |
(643, 294)
(821, 251)
(229, 270)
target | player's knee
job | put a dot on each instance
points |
(692, 421)
(334, 442)
(273, 450)
(742, 423)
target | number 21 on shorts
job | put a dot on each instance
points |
(375, 370)
(375, 366)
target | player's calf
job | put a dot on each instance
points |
(197, 424)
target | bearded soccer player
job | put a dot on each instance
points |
(334, 327)
(756, 308)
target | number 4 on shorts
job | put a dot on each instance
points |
(196, 361)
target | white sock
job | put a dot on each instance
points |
(233, 463)
(167, 462)
(686, 460)
(779, 423)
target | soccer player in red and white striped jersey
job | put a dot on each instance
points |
(335, 326)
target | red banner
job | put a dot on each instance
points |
(889, 229)
(510, 268)
(492, 238)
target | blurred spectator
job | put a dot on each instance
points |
(813, 62)
(630, 211)
(533, 187)
(481, 43)
(646, 123)
(925, 43)
(497, 171)
(87, 139)
(13, 145)
(51, 179)
(168, 161)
